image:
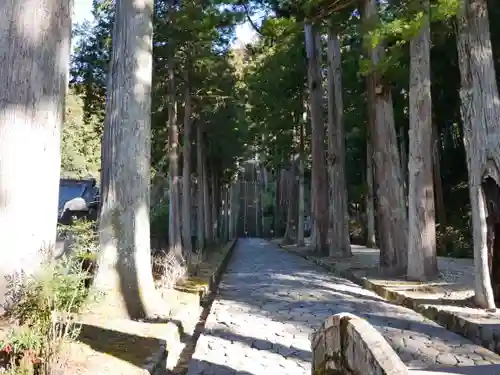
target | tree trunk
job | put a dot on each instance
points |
(174, 233)
(125, 262)
(371, 234)
(339, 217)
(291, 223)
(35, 41)
(314, 230)
(200, 217)
(227, 195)
(392, 222)
(206, 195)
(302, 213)
(186, 171)
(230, 229)
(370, 210)
(277, 203)
(256, 182)
(422, 259)
(313, 51)
(404, 163)
(438, 185)
(214, 206)
(480, 109)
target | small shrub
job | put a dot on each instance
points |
(41, 308)
(454, 241)
(83, 245)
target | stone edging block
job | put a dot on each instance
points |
(347, 344)
(157, 362)
(217, 274)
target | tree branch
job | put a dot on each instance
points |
(250, 21)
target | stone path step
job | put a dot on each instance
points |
(270, 301)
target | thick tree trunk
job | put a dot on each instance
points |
(174, 233)
(321, 220)
(35, 40)
(200, 216)
(392, 225)
(422, 259)
(339, 217)
(186, 171)
(125, 262)
(480, 110)
(302, 208)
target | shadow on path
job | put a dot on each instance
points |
(271, 300)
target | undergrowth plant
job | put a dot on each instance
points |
(42, 309)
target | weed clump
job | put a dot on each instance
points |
(41, 309)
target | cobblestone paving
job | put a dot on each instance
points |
(270, 301)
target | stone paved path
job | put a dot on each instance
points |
(270, 301)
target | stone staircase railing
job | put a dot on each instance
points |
(349, 345)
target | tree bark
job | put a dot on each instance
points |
(207, 212)
(200, 217)
(392, 225)
(313, 52)
(404, 163)
(292, 192)
(214, 205)
(125, 263)
(371, 234)
(277, 203)
(438, 185)
(302, 213)
(339, 217)
(35, 38)
(480, 110)
(186, 170)
(231, 222)
(422, 258)
(370, 210)
(227, 195)
(174, 235)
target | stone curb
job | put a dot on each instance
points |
(217, 274)
(469, 329)
(206, 288)
(156, 363)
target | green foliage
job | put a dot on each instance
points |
(42, 305)
(195, 37)
(80, 144)
(275, 87)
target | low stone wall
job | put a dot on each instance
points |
(186, 319)
(479, 326)
(348, 345)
